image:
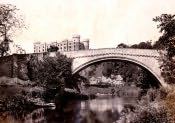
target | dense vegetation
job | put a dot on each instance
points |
(17, 94)
(141, 45)
(167, 42)
(52, 73)
(131, 73)
(52, 49)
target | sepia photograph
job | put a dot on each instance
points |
(87, 61)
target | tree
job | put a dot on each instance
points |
(143, 45)
(52, 49)
(158, 45)
(50, 71)
(122, 45)
(134, 46)
(9, 21)
(167, 28)
(167, 43)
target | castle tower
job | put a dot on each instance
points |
(86, 44)
(37, 47)
(76, 40)
(64, 44)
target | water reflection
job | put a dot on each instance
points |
(108, 110)
(101, 105)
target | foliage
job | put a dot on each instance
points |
(142, 45)
(158, 45)
(151, 108)
(122, 45)
(151, 115)
(159, 106)
(169, 103)
(131, 73)
(51, 72)
(17, 94)
(52, 49)
(167, 28)
(9, 21)
(167, 43)
(17, 102)
(168, 70)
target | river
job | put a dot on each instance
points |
(99, 110)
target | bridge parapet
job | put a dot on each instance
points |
(114, 51)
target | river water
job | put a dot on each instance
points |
(99, 110)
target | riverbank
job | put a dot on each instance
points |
(17, 94)
(106, 110)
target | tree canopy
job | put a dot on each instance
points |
(143, 45)
(122, 45)
(167, 42)
(167, 28)
(52, 49)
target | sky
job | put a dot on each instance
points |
(105, 22)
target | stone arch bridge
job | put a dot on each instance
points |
(148, 59)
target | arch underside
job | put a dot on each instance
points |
(95, 60)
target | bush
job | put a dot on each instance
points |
(152, 109)
(17, 102)
(157, 106)
(151, 115)
(169, 102)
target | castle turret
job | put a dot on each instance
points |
(86, 44)
(64, 44)
(36, 46)
(76, 40)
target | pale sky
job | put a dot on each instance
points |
(105, 22)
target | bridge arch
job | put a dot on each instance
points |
(108, 58)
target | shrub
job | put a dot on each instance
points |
(169, 102)
(16, 102)
(151, 115)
